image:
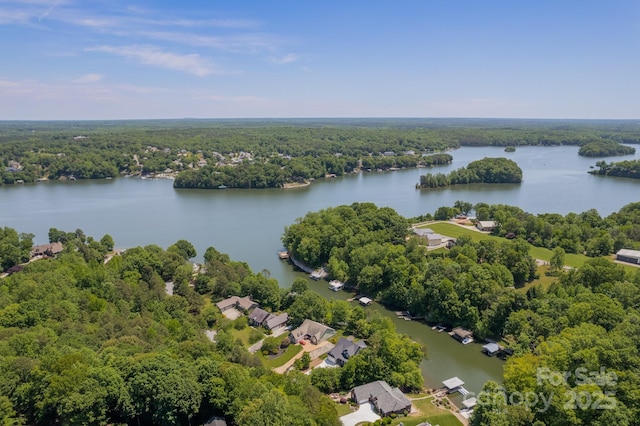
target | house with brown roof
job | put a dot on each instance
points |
(47, 249)
(312, 331)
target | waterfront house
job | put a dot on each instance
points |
(628, 256)
(313, 331)
(345, 349)
(486, 225)
(47, 249)
(385, 399)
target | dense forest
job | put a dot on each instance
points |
(486, 170)
(627, 169)
(305, 148)
(587, 318)
(95, 337)
(605, 149)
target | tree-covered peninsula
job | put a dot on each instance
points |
(579, 322)
(627, 169)
(605, 149)
(487, 170)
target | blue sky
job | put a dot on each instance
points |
(94, 59)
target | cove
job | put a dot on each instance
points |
(248, 224)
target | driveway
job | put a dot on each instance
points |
(364, 414)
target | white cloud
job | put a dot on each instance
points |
(88, 78)
(245, 43)
(150, 55)
(286, 59)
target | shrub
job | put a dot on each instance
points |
(285, 343)
(241, 323)
(254, 336)
(270, 345)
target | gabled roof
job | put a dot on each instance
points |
(276, 321)
(53, 248)
(385, 398)
(453, 383)
(226, 303)
(246, 303)
(345, 349)
(259, 316)
(313, 329)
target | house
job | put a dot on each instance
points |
(385, 399)
(462, 335)
(429, 236)
(312, 331)
(47, 249)
(259, 317)
(629, 256)
(345, 349)
(491, 349)
(486, 225)
(242, 303)
(277, 321)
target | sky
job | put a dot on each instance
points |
(113, 59)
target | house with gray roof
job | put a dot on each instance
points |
(312, 331)
(277, 321)
(385, 399)
(259, 317)
(241, 303)
(345, 349)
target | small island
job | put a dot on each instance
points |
(510, 148)
(605, 149)
(626, 169)
(487, 170)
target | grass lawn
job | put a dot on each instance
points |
(343, 409)
(455, 231)
(243, 335)
(428, 412)
(291, 351)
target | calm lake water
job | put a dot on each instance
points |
(248, 224)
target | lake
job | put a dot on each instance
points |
(248, 224)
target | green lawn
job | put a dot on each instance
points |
(428, 412)
(455, 231)
(343, 409)
(243, 335)
(291, 351)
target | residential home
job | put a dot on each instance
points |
(47, 249)
(486, 225)
(345, 349)
(258, 317)
(241, 303)
(385, 399)
(277, 322)
(312, 331)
